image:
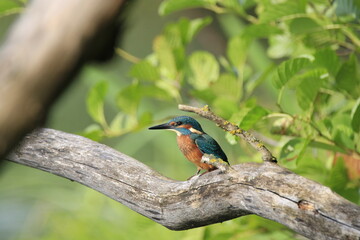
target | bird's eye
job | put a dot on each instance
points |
(176, 123)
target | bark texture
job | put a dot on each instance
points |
(266, 189)
(44, 49)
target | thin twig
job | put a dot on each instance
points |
(233, 129)
(127, 56)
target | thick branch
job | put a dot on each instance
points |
(233, 129)
(43, 50)
(267, 190)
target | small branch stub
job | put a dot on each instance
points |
(231, 128)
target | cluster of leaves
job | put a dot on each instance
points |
(290, 71)
(310, 65)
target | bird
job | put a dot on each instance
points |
(193, 142)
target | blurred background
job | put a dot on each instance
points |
(38, 205)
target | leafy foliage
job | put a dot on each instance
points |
(307, 106)
(289, 71)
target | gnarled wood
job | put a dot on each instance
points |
(267, 189)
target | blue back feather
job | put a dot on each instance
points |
(208, 145)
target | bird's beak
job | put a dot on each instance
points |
(161, 126)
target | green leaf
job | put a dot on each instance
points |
(118, 122)
(307, 90)
(293, 150)
(304, 25)
(128, 99)
(342, 132)
(166, 57)
(169, 89)
(325, 146)
(224, 107)
(190, 28)
(227, 86)
(237, 51)
(182, 32)
(355, 116)
(348, 77)
(303, 149)
(206, 95)
(238, 115)
(252, 117)
(93, 132)
(144, 70)
(328, 59)
(153, 92)
(174, 35)
(170, 6)
(289, 69)
(281, 46)
(273, 12)
(204, 69)
(338, 178)
(261, 30)
(95, 102)
(322, 39)
(6, 5)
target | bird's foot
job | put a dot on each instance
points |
(216, 162)
(197, 174)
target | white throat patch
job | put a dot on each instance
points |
(193, 130)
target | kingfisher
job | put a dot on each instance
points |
(193, 141)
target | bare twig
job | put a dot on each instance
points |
(233, 129)
(127, 56)
(266, 190)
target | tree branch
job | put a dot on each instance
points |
(233, 129)
(267, 189)
(44, 49)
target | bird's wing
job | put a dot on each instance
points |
(208, 145)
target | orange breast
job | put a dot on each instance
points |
(191, 151)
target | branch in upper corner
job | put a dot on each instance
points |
(233, 129)
(92, 36)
